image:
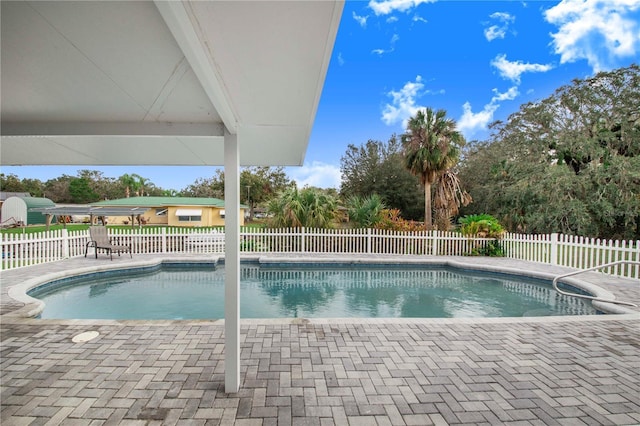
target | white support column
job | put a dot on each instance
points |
(232, 264)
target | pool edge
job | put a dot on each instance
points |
(33, 307)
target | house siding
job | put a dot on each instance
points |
(210, 217)
(210, 207)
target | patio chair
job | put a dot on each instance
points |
(101, 241)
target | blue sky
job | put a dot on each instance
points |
(478, 60)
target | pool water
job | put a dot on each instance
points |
(305, 292)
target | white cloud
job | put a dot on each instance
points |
(513, 70)
(494, 32)
(392, 19)
(385, 7)
(499, 30)
(340, 59)
(403, 104)
(392, 42)
(418, 18)
(502, 17)
(600, 31)
(509, 95)
(469, 123)
(362, 20)
(318, 174)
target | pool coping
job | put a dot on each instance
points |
(591, 282)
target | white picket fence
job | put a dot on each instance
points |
(21, 250)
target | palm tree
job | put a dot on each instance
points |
(448, 197)
(133, 183)
(170, 193)
(141, 184)
(307, 207)
(365, 212)
(129, 182)
(431, 147)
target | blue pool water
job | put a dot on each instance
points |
(304, 292)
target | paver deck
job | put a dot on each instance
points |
(524, 371)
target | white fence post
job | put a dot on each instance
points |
(302, 243)
(164, 240)
(65, 243)
(553, 240)
(369, 237)
(434, 242)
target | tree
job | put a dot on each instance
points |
(106, 188)
(169, 193)
(207, 187)
(432, 146)
(81, 192)
(302, 208)
(130, 183)
(569, 163)
(260, 184)
(35, 187)
(103, 188)
(11, 183)
(448, 197)
(378, 168)
(57, 190)
(141, 184)
(134, 183)
(365, 212)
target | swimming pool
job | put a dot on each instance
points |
(179, 291)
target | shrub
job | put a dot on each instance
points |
(392, 221)
(365, 212)
(490, 248)
(483, 226)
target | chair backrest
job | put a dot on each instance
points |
(99, 234)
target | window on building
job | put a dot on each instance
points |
(189, 215)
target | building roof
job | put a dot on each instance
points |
(33, 202)
(162, 202)
(161, 82)
(4, 195)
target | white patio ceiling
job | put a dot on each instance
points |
(157, 83)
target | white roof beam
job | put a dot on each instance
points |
(179, 23)
(147, 128)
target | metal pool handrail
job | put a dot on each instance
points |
(584, 296)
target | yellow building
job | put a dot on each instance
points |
(173, 211)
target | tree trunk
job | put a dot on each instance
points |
(428, 221)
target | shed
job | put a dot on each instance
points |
(20, 210)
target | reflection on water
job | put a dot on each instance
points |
(321, 292)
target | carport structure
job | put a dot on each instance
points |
(92, 212)
(190, 83)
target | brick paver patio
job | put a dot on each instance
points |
(525, 371)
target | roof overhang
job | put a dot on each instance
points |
(188, 212)
(159, 83)
(90, 211)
